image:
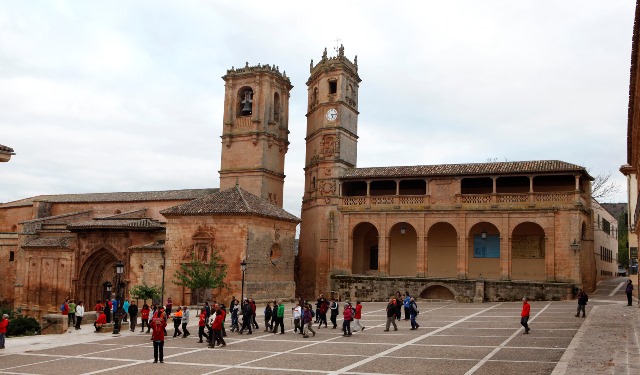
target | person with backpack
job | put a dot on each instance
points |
(307, 321)
(64, 308)
(413, 313)
(582, 302)
(357, 316)
(334, 312)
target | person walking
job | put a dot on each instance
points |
(72, 314)
(253, 313)
(391, 315)
(334, 312)
(125, 307)
(107, 309)
(307, 322)
(319, 302)
(234, 308)
(217, 328)
(133, 315)
(398, 302)
(280, 318)
(297, 319)
(158, 324)
(274, 315)
(201, 325)
(247, 319)
(324, 307)
(79, 314)
(582, 302)
(267, 317)
(524, 316)
(357, 326)
(177, 319)
(413, 313)
(168, 306)
(629, 291)
(185, 321)
(4, 322)
(347, 314)
(144, 317)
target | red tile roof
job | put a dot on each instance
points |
(496, 168)
(234, 201)
(157, 245)
(127, 224)
(52, 242)
(165, 195)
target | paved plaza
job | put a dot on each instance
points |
(453, 338)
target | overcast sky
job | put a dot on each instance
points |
(127, 96)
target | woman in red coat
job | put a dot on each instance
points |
(157, 325)
(202, 324)
(144, 316)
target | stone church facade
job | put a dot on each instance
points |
(485, 231)
(54, 247)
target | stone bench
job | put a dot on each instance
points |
(108, 327)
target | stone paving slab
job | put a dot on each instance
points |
(163, 368)
(69, 366)
(461, 340)
(417, 366)
(448, 352)
(527, 354)
(528, 368)
(306, 362)
(218, 356)
(345, 348)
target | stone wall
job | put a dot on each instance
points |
(377, 288)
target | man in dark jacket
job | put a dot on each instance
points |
(247, 316)
(133, 314)
(334, 312)
(391, 315)
(582, 302)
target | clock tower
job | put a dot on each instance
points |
(255, 133)
(331, 147)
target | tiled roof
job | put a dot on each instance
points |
(165, 195)
(615, 209)
(157, 245)
(510, 167)
(53, 242)
(128, 224)
(6, 149)
(633, 85)
(234, 201)
(135, 214)
(57, 218)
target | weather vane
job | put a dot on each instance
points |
(337, 47)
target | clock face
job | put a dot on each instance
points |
(332, 114)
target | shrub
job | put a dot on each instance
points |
(23, 326)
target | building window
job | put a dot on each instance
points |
(606, 226)
(333, 87)
(12, 256)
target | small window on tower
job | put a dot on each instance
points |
(12, 256)
(333, 87)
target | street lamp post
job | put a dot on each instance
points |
(243, 267)
(119, 310)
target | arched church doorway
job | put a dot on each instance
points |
(484, 251)
(94, 273)
(528, 252)
(403, 250)
(365, 249)
(442, 251)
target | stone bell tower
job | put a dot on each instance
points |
(332, 128)
(255, 132)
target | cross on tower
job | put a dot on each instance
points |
(337, 47)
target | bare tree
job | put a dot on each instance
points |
(602, 188)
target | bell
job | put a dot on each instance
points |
(246, 109)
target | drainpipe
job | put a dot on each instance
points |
(164, 265)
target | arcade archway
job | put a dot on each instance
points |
(365, 249)
(442, 251)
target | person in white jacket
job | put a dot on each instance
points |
(79, 314)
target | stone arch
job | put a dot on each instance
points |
(95, 271)
(528, 252)
(403, 250)
(365, 249)
(442, 250)
(438, 292)
(484, 251)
